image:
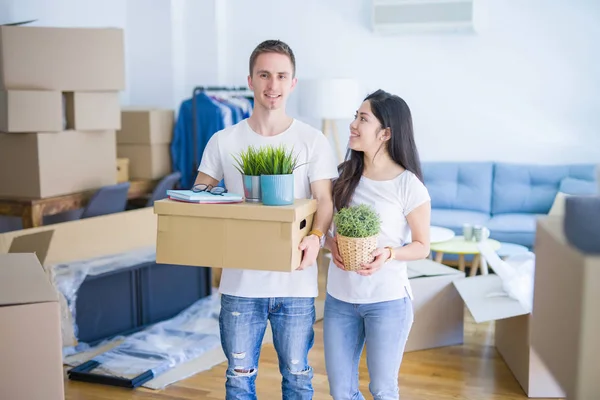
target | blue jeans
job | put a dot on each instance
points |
(243, 322)
(384, 327)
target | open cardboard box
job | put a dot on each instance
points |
(485, 299)
(92, 237)
(81, 240)
(240, 235)
(438, 308)
(566, 327)
(29, 305)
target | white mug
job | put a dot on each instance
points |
(467, 232)
(480, 233)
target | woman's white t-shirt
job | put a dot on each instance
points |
(393, 200)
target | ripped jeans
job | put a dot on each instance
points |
(243, 322)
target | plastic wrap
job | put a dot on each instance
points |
(163, 346)
(517, 274)
(68, 277)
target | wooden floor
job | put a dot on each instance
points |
(471, 371)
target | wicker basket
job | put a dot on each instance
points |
(356, 251)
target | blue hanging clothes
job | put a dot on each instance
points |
(212, 115)
(210, 119)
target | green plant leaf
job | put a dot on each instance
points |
(267, 160)
(248, 161)
(357, 221)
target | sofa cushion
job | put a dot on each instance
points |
(526, 188)
(513, 228)
(577, 186)
(513, 223)
(526, 239)
(454, 219)
(459, 185)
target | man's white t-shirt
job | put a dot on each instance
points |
(318, 162)
(393, 200)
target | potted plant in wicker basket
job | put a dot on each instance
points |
(249, 163)
(357, 230)
(277, 175)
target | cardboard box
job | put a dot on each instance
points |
(566, 327)
(485, 299)
(122, 170)
(89, 237)
(146, 161)
(81, 240)
(242, 235)
(91, 111)
(30, 348)
(39, 165)
(438, 308)
(31, 111)
(146, 126)
(65, 59)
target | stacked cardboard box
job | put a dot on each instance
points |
(59, 109)
(31, 338)
(145, 139)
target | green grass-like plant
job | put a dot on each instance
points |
(357, 221)
(249, 161)
(277, 160)
(266, 160)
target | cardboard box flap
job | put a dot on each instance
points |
(23, 281)
(37, 243)
(425, 268)
(486, 299)
(245, 211)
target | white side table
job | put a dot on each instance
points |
(437, 234)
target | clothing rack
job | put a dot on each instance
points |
(242, 90)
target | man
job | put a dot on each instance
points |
(251, 298)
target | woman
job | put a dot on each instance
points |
(373, 305)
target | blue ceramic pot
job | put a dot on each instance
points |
(277, 190)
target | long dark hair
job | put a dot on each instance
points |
(393, 113)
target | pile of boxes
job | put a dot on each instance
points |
(143, 143)
(59, 109)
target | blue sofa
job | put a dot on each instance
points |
(507, 198)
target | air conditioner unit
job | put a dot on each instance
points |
(422, 16)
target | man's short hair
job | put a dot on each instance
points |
(273, 46)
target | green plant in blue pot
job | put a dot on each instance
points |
(249, 162)
(277, 179)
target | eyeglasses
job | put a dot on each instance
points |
(216, 190)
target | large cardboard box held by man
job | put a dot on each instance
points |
(65, 59)
(485, 298)
(40, 165)
(30, 332)
(243, 235)
(566, 327)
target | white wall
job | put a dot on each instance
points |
(149, 46)
(150, 39)
(70, 13)
(524, 89)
